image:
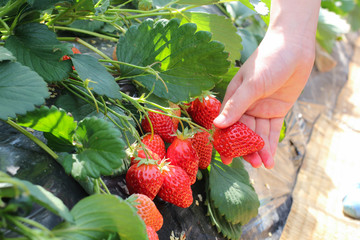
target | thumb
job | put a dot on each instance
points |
(235, 105)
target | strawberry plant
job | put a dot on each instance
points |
(170, 56)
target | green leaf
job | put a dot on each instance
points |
(229, 230)
(15, 188)
(341, 7)
(353, 17)
(189, 61)
(283, 131)
(330, 27)
(103, 213)
(238, 10)
(100, 150)
(92, 26)
(59, 126)
(248, 40)
(232, 193)
(46, 199)
(101, 81)
(222, 30)
(220, 88)
(80, 109)
(44, 4)
(21, 89)
(35, 46)
(6, 55)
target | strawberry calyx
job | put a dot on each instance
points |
(185, 134)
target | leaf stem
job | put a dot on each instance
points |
(86, 32)
(33, 138)
(35, 224)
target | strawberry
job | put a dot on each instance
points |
(177, 112)
(236, 140)
(140, 154)
(152, 235)
(182, 153)
(204, 110)
(176, 186)
(145, 178)
(155, 144)
(203, 147)
(75, 51)
(147, 210)
(162, 125)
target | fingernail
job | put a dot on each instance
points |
(220, 120)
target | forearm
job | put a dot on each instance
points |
(295, 17)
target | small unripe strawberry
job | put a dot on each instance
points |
(147, 210)
(236, 140)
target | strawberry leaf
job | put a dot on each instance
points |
(6, 55)
(35, 46)
(222, 29)
(14, 188)
(330, 27)
(46, 199)
(187, 61)
(100, 150)
(229, 230)
(59, 126)
(101, 81)
(231, 192)
(99, 215)
(21, 89)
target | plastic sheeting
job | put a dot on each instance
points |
(24, 159)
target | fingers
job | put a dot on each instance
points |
(234, 105)
(269, 130)
(274, 135)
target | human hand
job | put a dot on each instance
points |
(266, 87)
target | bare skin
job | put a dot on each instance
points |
(271, 80)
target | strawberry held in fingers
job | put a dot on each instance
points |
(204, 110)
(155, 144)
(147, 210)
(236, 140)
(144, 178)
(203, 147)
(176, 186)
(182, 153)
(162, 125)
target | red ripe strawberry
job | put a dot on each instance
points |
(74, 50)
(162, 125)
(176, 112)
(140, 154)
(155, 144)
(203, 147)
(176, 186)
(147, 210)
(152, 235)
(204, 110)
(144, 178)
(236, 140)
(182, 153)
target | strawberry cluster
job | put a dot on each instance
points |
(169, 172)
